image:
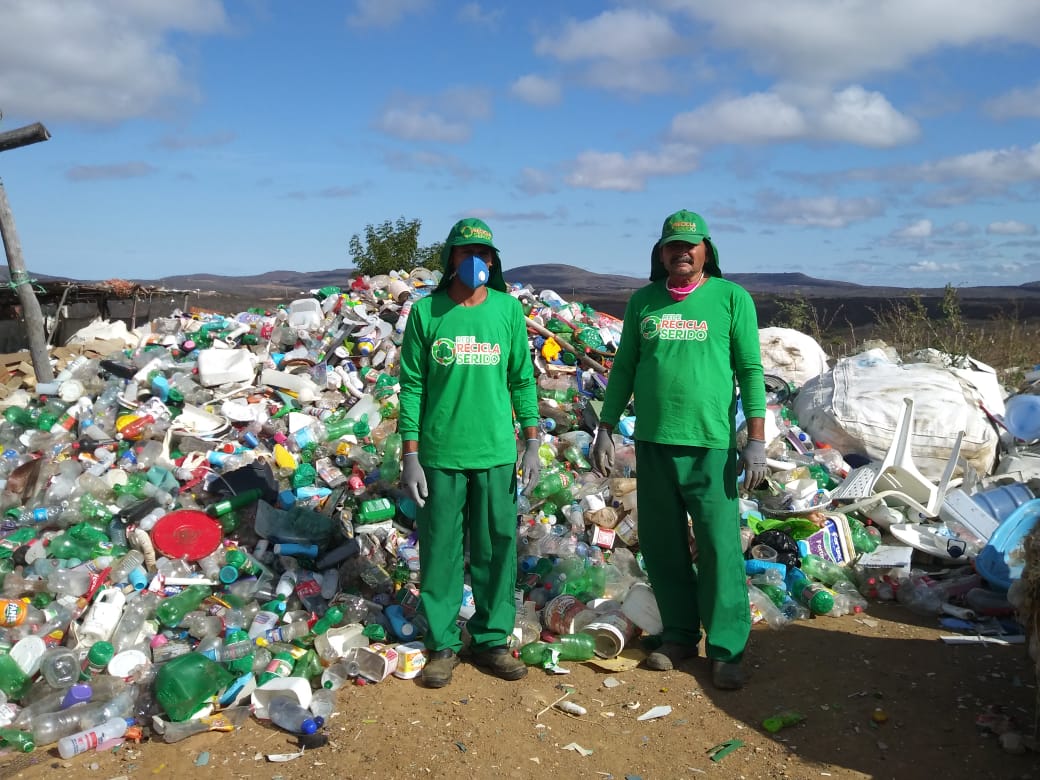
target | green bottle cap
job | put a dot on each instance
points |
(100, 654)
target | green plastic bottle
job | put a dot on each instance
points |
(173, 609)
(281, 665)
(13, 681)
(862, 540)
(21, 741)
(570, 647)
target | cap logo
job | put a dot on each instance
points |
(471, 231)
(685, 227)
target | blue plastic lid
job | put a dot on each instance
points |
(310, 725)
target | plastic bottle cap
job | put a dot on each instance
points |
(80, 692)
(123, 664)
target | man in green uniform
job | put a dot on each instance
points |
(465, 368)
(687, 336)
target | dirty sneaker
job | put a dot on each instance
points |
(501, 662)
(669, 655)
(727, 676)
(439, 665)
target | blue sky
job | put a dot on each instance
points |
(872, 141)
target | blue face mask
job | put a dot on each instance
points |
(473, 272)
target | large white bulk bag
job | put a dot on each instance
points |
(855, 408)
(791, 355)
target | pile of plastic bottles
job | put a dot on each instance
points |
(209, 524)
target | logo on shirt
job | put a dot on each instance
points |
(672, 327)
(465, 351)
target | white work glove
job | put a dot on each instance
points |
(755, 468)
(530, 466)
(603, 452)
(413, 479)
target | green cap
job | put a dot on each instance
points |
(470, 231)
(685, 226)
(101, 653)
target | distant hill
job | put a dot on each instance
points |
(567, 280)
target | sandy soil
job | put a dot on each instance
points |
(836, 672)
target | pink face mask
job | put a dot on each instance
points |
(679, 293)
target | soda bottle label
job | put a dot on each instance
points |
(279, 667)
(308, 588)
(12, 612)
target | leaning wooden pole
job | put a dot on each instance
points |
(20, 281)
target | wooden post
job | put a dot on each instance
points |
(41, 359)
(31, 312)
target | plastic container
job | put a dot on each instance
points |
(1022, 416)
(91, 738)
(1002, 500)
(222, 366)
(305, 314)
(1002, 560)
(103, 616)
(296, 687)
(640, 606)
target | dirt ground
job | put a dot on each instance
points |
(836, 672)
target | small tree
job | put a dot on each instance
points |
(392, 246)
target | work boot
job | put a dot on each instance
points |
(669, 655)
(501, 662)
(439, 664)
(727, 676)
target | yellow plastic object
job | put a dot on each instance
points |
(283, 458)
(551, 349)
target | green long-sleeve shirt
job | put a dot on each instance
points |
(464, 370)
(679, 361)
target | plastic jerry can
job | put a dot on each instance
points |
(102, 617)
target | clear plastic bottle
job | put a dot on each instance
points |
(60, 667)
(89, 739)
(323, 703)
(287, 714)
(339, 674)
(136, 612)
(121, 569)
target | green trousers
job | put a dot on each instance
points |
(482, 504)
(671, 482)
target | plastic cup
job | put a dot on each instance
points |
(1022, 416)
(763, 552)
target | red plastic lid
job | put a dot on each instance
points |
(186, 533)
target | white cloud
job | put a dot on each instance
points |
(473, 13)
(757, 118)
(922, 228)
(924, 267)
(383, 13)
(489, 215)
(615, 171)
(413, 124)
(96, 60)
(851, 115)
(414, 118)
(620, 50)
(826, 211)
(1011, 227)
(536, 90)
(626, 35)
(1016, 103)
(995, 166)
(834, 42)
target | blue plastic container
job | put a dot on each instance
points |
(1002, 560)
(1002, 500)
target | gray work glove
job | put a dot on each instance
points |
(755, 468)
(603, 452)
(530, 466)
(413, 479)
